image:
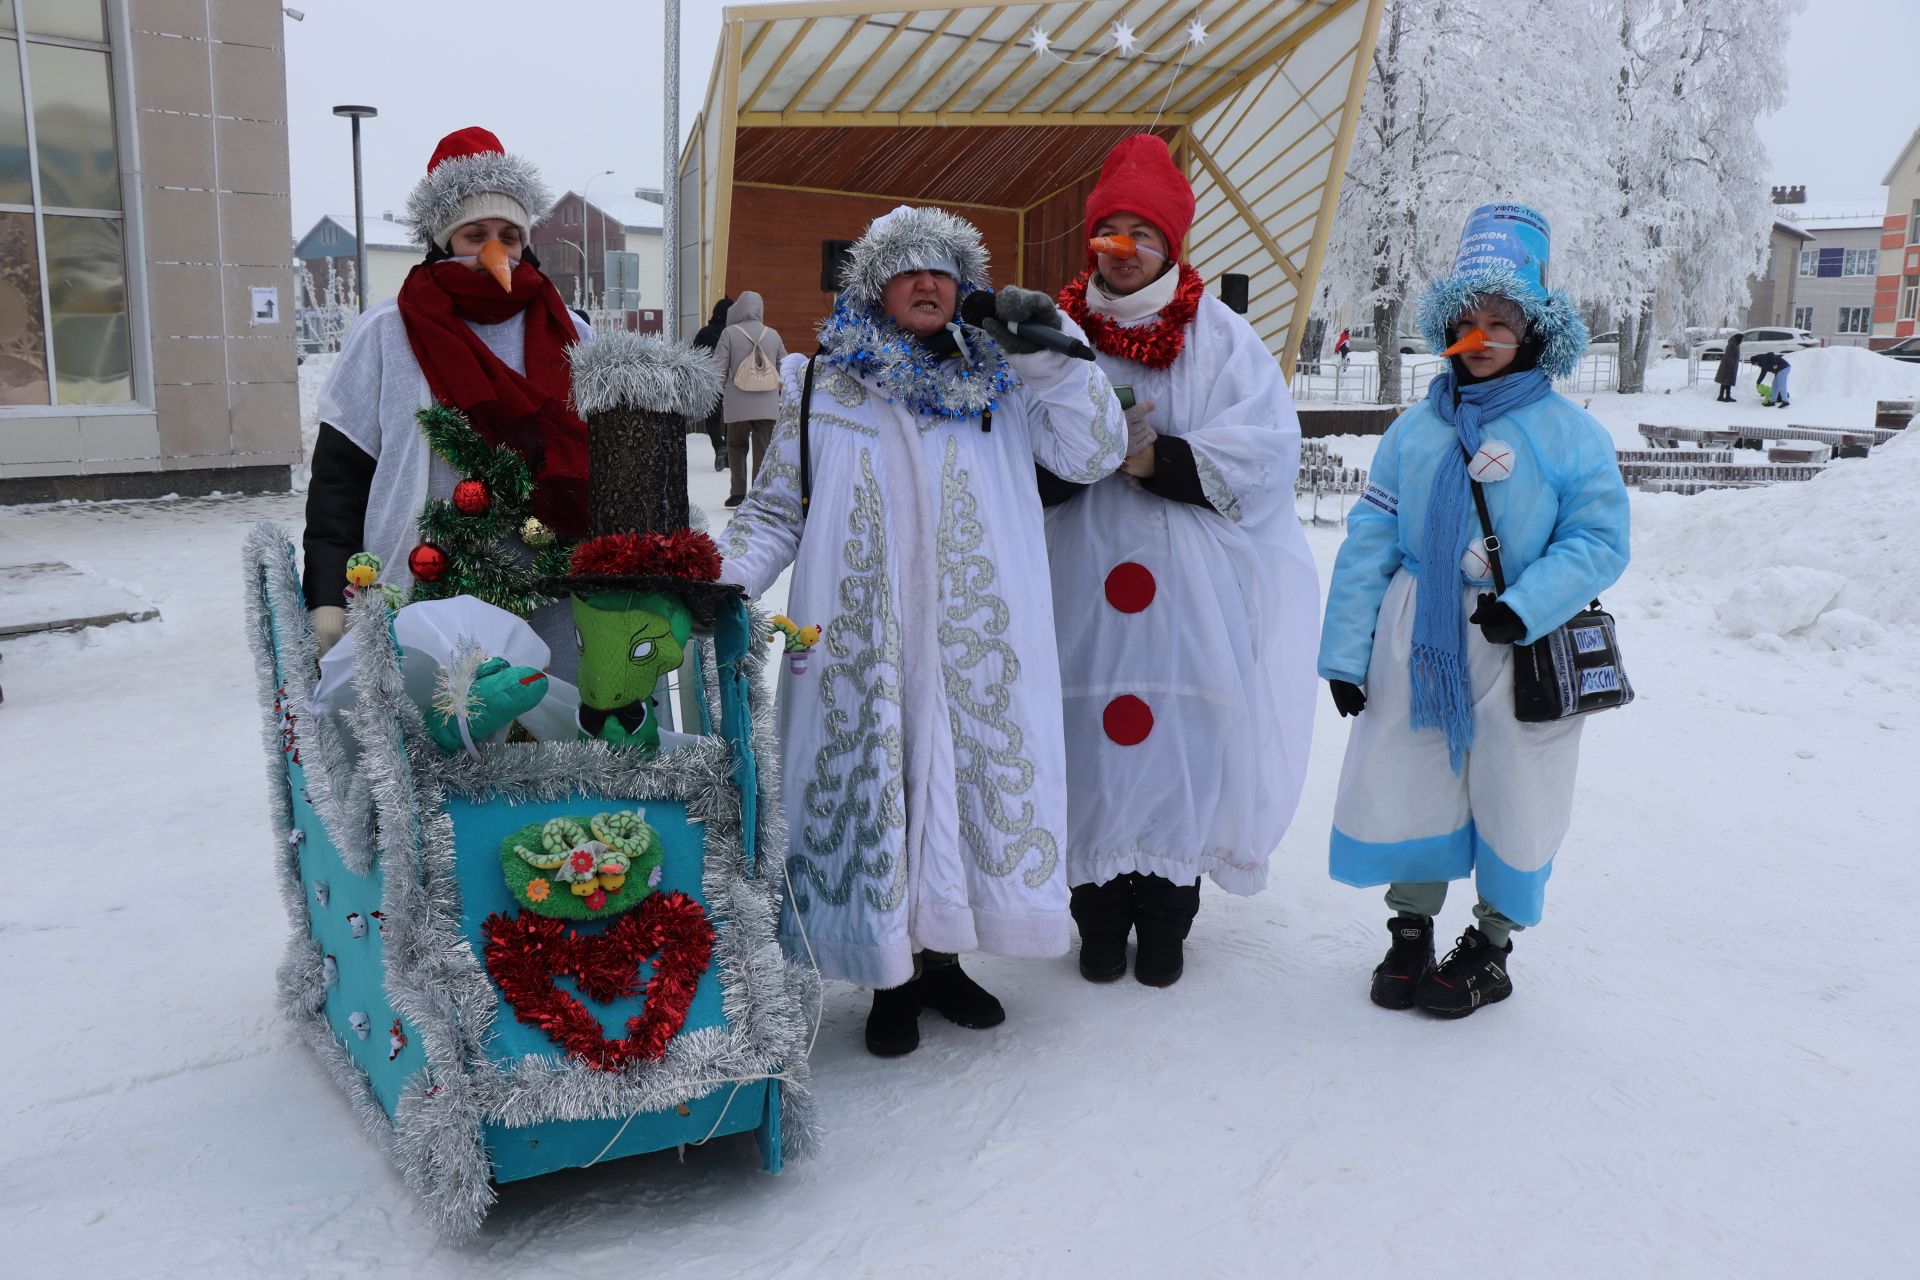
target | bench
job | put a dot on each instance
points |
(1663, 437)
(1845, 442)
(1798, 453)
(1714, 475)
(1892, 415)
(1666, 455)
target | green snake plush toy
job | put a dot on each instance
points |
(628, 640)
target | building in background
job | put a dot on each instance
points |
(619, 236)
(1834, 285)
(1896, 295)
(326, 255)
(1772, 293)
(146, 298)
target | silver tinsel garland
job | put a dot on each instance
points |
(435, 980)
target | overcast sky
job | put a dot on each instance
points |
(575, 85)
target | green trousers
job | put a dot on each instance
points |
(1427, 899)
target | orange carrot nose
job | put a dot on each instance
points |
(1470, 341)
(1114, 246)
(493, 256)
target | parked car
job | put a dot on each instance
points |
(1411, 344)
(1907, 349)
(1760, 341)
(1608, 344)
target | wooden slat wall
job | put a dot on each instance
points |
(775, 250)
(1056, 237)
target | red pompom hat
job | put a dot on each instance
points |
(1140, 177)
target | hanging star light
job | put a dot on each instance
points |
(1196, 32)
(1038, 42)
(1122, 38)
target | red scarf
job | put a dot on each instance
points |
(529, 413)
(1155, 344)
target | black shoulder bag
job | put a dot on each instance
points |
(1572, 670)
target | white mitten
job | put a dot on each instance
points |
(329, 623)
(1139, 434)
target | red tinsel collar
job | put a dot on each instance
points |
(526, 952)
(1156, 344)
(688, 554)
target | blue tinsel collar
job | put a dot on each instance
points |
(870, 346)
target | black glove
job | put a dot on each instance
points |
(1019, 306)
(1498, 623)
(1348, 699)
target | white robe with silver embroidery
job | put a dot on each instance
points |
(1213, 625)
(923, 774)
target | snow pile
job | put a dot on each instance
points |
(1850, 373)
(1834, 561)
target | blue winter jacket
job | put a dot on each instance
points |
(1561, 517)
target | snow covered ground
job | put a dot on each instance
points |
(1707, 1069)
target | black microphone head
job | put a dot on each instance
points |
(977, 306)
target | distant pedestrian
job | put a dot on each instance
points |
(749, 355)
(1729, 371)
(707, 339)
(1772, 382)
(1342, 345)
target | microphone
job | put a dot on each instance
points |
(979, 307)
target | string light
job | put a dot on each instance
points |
(1124, 42)
(1122, 35)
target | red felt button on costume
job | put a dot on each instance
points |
(1127, 720)
(1130, 587)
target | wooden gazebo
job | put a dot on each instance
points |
(821, 116)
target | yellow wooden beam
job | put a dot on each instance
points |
(931, 42)
(723, 195)
(760, 38)
(906, 119)
(826, 63)
(1251, 218)
(961, 56)
(1343, 148)
(773, 72)
(1279, 53)
(900, 29)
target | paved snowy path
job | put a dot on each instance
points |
(1708, 1068)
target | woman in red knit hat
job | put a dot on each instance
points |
(1185, 599)
(477, 326)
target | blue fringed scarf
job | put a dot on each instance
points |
(866, 343)
(1442, 694)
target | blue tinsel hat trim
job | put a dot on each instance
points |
(859, 339)
(1552, 318)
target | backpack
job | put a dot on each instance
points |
(756, 372)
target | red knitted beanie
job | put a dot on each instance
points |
(1140, 177)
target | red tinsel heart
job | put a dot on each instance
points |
(526, 952)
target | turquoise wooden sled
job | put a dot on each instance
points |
(389, 858)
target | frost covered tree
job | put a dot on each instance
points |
(1690, 205)
(1465, 104)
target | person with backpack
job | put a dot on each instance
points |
(749, 356)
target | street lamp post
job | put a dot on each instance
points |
(357, 114)
(586, 234)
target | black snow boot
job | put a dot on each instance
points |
(1409, 959)
(947, 990)
(893, 1027)
(1474, 973)
(1104, 913)
(1163, 912)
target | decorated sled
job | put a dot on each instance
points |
(525, 956)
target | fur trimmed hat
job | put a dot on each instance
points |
(1140, 177)
(471, 177)
(910, 239)
(1503, 254)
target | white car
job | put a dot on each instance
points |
(1760, 341)
(1608, 344)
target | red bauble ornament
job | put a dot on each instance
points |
(470, 498)
(427, 562)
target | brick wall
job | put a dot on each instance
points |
(774, 249)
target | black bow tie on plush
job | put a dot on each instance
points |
(631, 717)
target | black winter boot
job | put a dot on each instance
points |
(1163, 912)
(1474, 973)
(1409, 959)
(947, 990)
(893, 1026)
(1104, 913)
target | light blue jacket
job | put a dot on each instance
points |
(1561, 518)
